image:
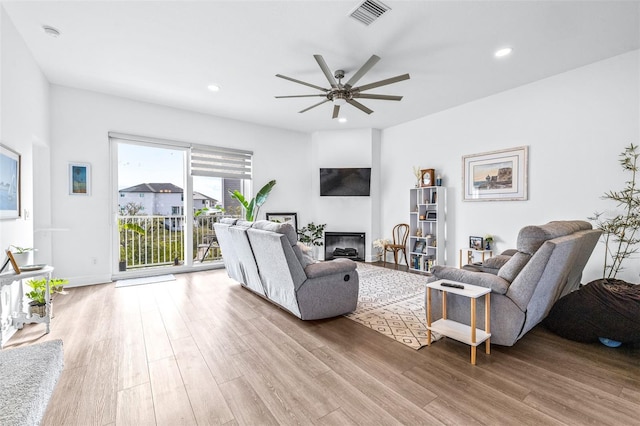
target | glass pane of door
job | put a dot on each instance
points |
(151, 206)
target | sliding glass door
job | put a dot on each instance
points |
(169, 195)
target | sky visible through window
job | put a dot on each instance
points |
(144, 164)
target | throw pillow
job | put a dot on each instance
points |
(512, 268)
(303, 254)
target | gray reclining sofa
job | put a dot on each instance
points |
(547, 265)
(265, 258)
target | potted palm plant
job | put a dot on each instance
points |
(251, 207)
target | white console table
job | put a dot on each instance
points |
(20, 318)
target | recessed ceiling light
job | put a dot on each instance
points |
(50, 31)
(213, 87)
(342, 120)
(505, 51)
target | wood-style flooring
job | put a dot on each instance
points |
(201, 350)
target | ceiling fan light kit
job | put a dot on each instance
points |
(341, 94)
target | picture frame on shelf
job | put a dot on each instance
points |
(419, 246)
(13, 262)
(10, 178)
(79, 179)
(291, 218)
(432, 215)
(496, 176)
(476, 243)
(427, 177)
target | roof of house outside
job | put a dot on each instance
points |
(164, 188)
(153, 187)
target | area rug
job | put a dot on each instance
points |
(145, 280)
(392, 303)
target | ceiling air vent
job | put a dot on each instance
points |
(369, 11)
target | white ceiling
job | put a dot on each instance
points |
(168, 52)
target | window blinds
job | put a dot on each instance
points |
(205, 160)
(220, 162)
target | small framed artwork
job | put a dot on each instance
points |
(291, 218)
(427, 177)
(14, 264)
(419, 246)
(9, 183)
(476, 243)
(496, 175)
(79, 179)
(432, 215)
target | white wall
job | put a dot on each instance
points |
(346, 148)
(81, 121)
(24, 127)
(576, 124)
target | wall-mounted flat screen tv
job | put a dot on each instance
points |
(345, 182)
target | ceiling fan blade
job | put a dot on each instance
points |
(325, 69)
(383, 82)
(301, 96)
(359, 106)
(362, 71)
(313, 106)
(302, 82)
(336, 111)
(381, 97)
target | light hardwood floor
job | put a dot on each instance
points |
(202, 350)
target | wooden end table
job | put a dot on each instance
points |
(471, 335)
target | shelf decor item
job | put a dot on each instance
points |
(496, 175)
(9, 183)
(427, 177)
(476, 243)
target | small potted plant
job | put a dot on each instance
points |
(37, 294)
(311, 235)
(488, 239)
(22, 255)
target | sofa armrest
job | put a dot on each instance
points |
(336, 266)
(483, 279)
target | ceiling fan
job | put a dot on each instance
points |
(341, 94)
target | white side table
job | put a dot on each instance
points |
(484, 254)
(20, 318)
(461, 332)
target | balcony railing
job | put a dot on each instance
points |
(147, 241)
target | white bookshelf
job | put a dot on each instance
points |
(427, 228)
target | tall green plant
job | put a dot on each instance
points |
(620, 232)
(252, 207)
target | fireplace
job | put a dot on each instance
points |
(350, 245)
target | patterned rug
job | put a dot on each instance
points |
(392, 303)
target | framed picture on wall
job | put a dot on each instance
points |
(291, 218)
(10, 177)
(496, 175)
(79, 179)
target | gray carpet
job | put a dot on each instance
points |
(28, 375)
(393, 303)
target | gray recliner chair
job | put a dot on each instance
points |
(548, 264)
(267, 259)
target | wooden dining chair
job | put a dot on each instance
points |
(400, 234)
